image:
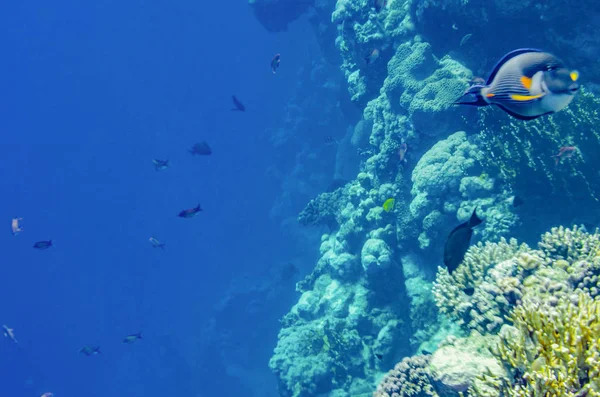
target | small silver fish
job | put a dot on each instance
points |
(160, 165)
(465, 39)
(155, 243)
(10, 334)
(16, 229)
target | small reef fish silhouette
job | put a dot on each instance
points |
(90, 350)
(14, 225)
(160, 165)
(190, 213)
(239, 107)
(275, 63)
(402, 152)
(10, 334)
(465, 38)
(564, 153)
(129, 339)
(372, 56)
(156, 244)
(43, 245)
(201, 149)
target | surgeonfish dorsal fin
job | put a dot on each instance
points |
(506, 58)
(474, 220)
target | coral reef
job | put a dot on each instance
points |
(458, 363)
(449, 182)
(360, 30)
(410, 377)
(551, 350)
(495, 277)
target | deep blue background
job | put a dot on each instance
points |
(90, 93)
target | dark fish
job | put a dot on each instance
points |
(330, 139)
(192, 212)
(160, 165)
(90, 350)
(372, 56)
(275, 63)
(201, 149)
(526, 83)
(517, 201)
(238, 105)
(379, 4)
(469, 291)
(129, 339)
(379, 356)
(425, 352)
(43, 245)
(458, 242)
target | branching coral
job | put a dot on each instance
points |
(493, 278)
(550, 351)
(468, 296)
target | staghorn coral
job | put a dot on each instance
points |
(550, 351)
(409, 378)
(496, 276)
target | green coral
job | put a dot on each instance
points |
(550, 351)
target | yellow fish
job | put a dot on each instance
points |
(388, 205)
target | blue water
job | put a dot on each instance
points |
(91, 93)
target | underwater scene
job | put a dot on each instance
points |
(300, 198)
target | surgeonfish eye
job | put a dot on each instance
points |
(574, 75)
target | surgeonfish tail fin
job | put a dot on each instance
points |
(474, 221)
(472, 97)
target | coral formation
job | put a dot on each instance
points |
(495, 277)
(551, 350)
(409, 378)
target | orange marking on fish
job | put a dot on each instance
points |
(526, 81)
(490, 95)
